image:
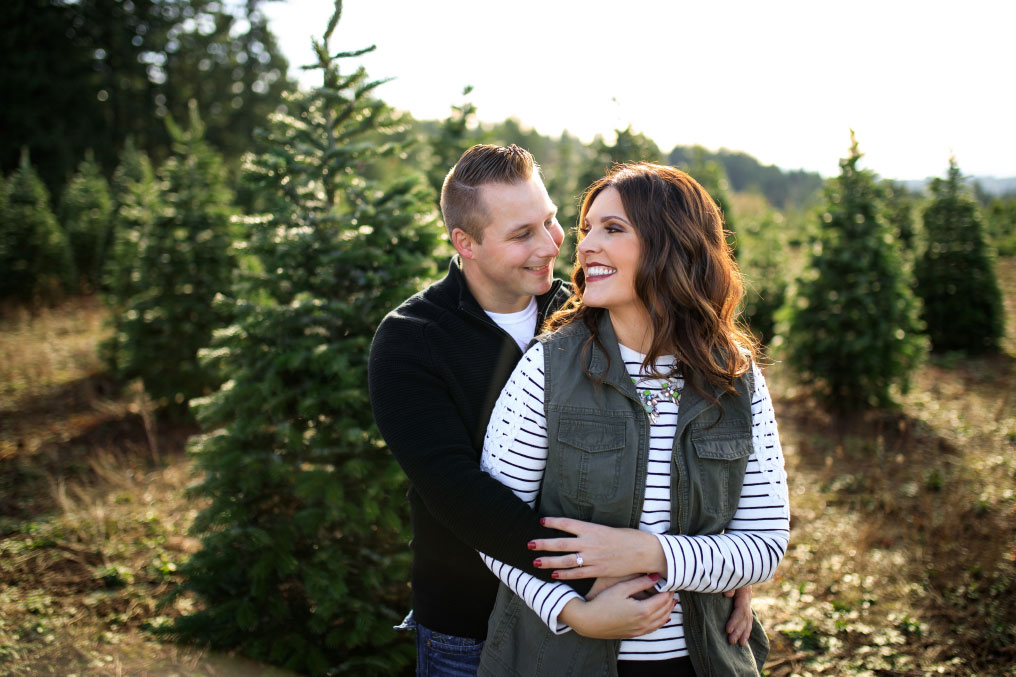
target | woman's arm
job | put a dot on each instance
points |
(515, 452)
(756, 538)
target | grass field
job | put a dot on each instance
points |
(903, 543)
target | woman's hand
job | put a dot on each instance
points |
(615, 613)
(605, 551)
(739, 625)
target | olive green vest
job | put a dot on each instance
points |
(598, 437)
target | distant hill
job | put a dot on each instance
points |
(991, 185)
(745, 173)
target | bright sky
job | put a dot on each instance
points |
(781, 80)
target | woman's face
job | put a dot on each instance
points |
(609, 253)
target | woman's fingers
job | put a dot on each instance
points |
(555, 544)
(560, 562)
(564, 524)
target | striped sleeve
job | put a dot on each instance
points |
(756, 539)
(515, 453)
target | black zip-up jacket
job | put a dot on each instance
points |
(437, 365)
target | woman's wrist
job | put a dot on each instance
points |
(650, 553)
(573, 614)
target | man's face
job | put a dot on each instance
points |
(515, 260)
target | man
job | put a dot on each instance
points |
(437, 365)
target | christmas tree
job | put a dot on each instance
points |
(955, 273)
(184, 260)
(86, 211)
(853, 328)
(304, 557)
(137, 199)
(35, 257)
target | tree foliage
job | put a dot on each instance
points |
(783, 189)
(138, 204)
(304, 560)
(35, 258)
(184, 260)
(853, 329)
(86, 211)
(955, 273)
(85, 74)
(762, 254)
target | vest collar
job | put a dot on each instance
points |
(609, 366)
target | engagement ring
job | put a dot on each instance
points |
(578, 559)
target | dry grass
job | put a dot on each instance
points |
(93, 516)
(902, 560)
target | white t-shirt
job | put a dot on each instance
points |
(521, 326)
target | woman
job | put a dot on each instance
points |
(642, 408)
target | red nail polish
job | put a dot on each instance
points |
(531, 545)
(537, 562)
(543, 520)
(554, 575)
(654, 577)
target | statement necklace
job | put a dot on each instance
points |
(651, 401)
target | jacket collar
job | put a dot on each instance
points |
(458, 286)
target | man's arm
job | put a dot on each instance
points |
(423, 429)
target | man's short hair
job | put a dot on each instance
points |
(461, 203)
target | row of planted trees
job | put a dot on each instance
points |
(263, 321)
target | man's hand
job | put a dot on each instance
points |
(605, 551)
(615, 614)
(739, 625)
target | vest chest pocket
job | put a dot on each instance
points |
(589, 467)
(722, 461)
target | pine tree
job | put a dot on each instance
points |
(853, 327)
(956, 274)
(899, 213)
(184, 260)
(304, 557)
(453, 137)
(762, 252)
(35, 257)
(86, 211)
(138, 203)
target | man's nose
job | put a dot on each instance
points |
(551, 242)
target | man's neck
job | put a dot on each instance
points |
(491, 299)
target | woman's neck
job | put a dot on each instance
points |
(632, 328)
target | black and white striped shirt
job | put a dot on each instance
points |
(515, 452)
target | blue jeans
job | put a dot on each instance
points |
(440, 655)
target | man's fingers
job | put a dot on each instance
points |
(729, 593)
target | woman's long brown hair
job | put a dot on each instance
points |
(688, 278)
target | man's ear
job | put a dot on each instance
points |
(463, 243)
